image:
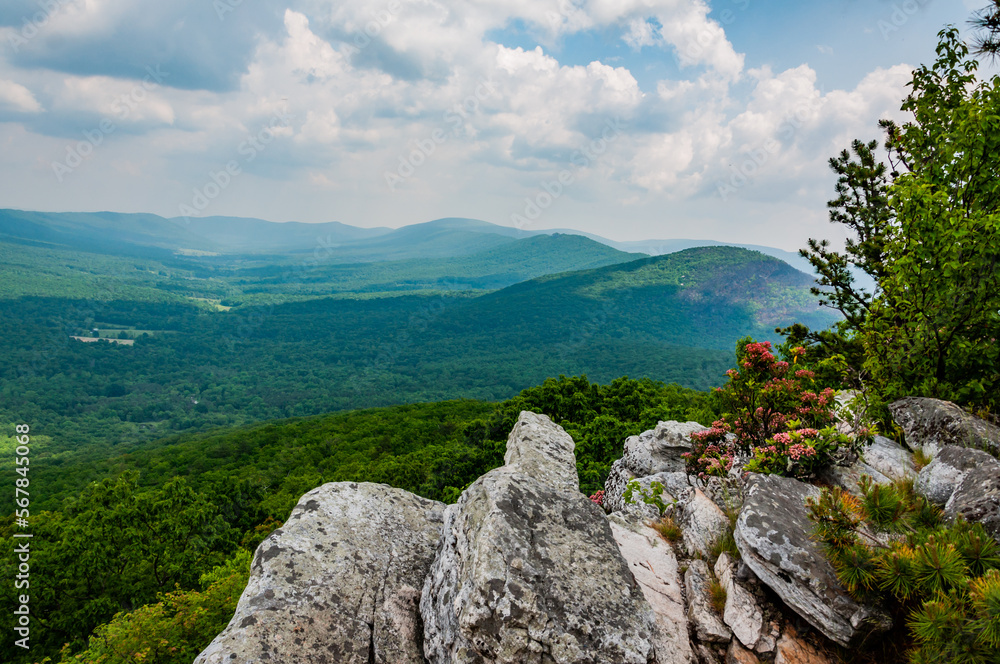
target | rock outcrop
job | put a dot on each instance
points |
(708, 625)
(742, 614)
(654, 566)
(977, 498)
(773, 537)
(528, 569)
(650, 453)
(890, 459)
(939, 479)
(931, 424)
(339, 583)
(702, 521)
(524, 568)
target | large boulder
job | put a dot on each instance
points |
(939, 479)
(528, 569)
(773, 536)
(653, 452)
(702, 523)
(339, 583)
(655, 568)
(890, 459)
(931, 424)
(660, 449)
(977, 499)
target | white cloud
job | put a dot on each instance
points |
(16, 97)
(365, 85)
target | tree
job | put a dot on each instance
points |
(927, 230)
(986, 21)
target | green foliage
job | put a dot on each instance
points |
(770, 411)
(890, 546)
(654, 496)
(115, 548)
(203, 367)
(175, 629)
(926, 229)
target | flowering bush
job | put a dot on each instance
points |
(773, 412)
(598, 498)
(796, 452)
(711, 451)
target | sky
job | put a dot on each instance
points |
(631, 119)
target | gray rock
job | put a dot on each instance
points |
(773, 536)
(702, 523)
(654, 452)
(890, 459)
(742, 613)
(708, 625)
(339, 583)
(675, 485)
(528, 570)
(726, 492)
(614, 487)
(939, 479)
(542, 450)
(977, 499)
(660, 449)
(654, 566)
(848, 477)
(931, 424)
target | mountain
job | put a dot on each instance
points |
(674, 318)
(703, 297)
(47, 269)
(135, 234)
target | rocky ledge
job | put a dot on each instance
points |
(525, 569)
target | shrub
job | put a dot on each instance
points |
(774, 412)
(652, 497)
(890, 546)
(175, 629)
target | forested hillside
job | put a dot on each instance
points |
(179, 508)
(193, 365)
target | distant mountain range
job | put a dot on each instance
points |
(151, 236)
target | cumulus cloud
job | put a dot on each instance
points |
(362, 87)
(16, 97)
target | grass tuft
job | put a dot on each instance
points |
(668, 529)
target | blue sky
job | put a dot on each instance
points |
(632, 119)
